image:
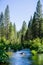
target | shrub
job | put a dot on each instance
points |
(34, 52)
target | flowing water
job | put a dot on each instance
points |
(24, 57)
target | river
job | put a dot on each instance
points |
(24, 57)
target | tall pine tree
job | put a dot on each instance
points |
(1, 25)
(28, 34)
(37, 21)
(6, 21)
(39, 16)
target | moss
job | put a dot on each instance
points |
(9, 53)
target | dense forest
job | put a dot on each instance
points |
(28, 37)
